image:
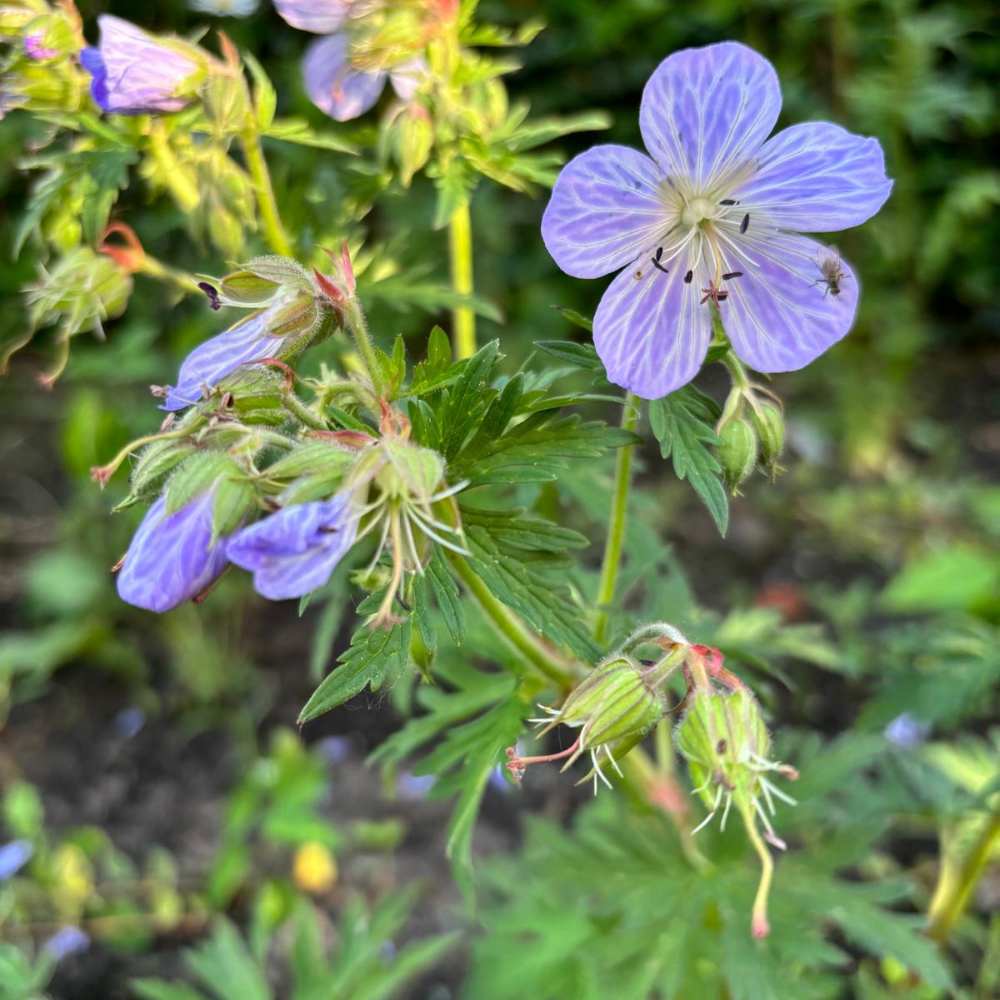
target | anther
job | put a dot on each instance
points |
(688, 277)
(213, 295)
(728, 201)
(732, 274)
(745, 224)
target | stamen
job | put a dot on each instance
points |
(728, 201)
(688, 277)
(725, 812)
(732, 274)
(614, 763)
(745, 224)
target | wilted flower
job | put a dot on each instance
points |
(727, 747)
(613, 707)
(294, 550)
(172, 557)
(289, 312)
(135, 73)
(709, 223)
(338, 80)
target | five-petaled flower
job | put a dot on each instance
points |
(334, 81)
(135, 73)
(709, 221)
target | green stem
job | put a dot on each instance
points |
(274, 231)
(759, 925)
(460, 247)
(544, 658)
(736, 370)
(616, 522)
(955, 889)
(181, 280)
(354, 320)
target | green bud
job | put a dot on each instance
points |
(280, 271)
(245, 288)
(412, 137)
(737, 451)
(312, 457)
(410, 471)
(227, 102)
(155, 462)
(769, 422)
(234, 500)
(299, 317)
(613, 703)
(196, 475)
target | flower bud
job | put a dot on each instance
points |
(412, 137)
(737, 451)
(769, 422)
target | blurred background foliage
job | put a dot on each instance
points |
(162, 822)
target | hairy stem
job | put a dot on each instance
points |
(955, 887)
(267, 206)
(616, 522)
(544, 658)
(357, 325)
(181, 280)
(460, 247)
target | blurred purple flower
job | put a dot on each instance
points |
(319, 16)
(415, 786)
(906, 731)
(171, 558)
(13, 857)
(294, 550)
(67, 941)
(245, 342)
(133, 72)
(711, 217)
(333, 84)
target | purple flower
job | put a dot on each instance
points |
(711, 218)
(294, 550)
(171, 558)
(334, 85)
(14, 855)
(135, 73)
(249, 340)
(67, 941)
(319, 16)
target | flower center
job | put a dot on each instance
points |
(696, 211)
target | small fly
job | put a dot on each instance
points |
(832, 273)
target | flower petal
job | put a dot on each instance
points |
(213, 360)
(817, 177)
(294, 551)
(651, 331)
(706, 111)
(171, 559)
(781, 314)
(134, 72)
(407, 77)
(333, 86)
(605, 208)
(319, 16)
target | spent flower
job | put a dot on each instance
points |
(709, 223)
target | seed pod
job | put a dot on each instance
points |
(737, 451)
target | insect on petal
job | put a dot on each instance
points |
(782, 314)
(605, 208)
(707, 111)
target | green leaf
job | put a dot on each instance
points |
(683, 424)
(521, 565)
(265, 100)
(375, 656)
(300, 132)
(468, 398)
(959, 578)
(447, 596)
(107, 171)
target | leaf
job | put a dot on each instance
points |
(952, 579)
(468, 398)
(447, 596)
(454, 183)
(374, 657)
(300, 132)
(107, 171)
(682, 423)
(265, 100)
(510, 555)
